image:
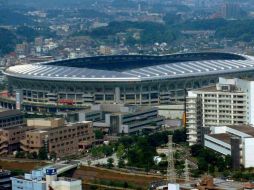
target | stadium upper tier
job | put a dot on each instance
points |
(134, 67)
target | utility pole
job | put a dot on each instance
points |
(171, 174)
(186, 171)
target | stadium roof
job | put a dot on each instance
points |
(134, 68)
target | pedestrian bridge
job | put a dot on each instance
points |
(62, 166)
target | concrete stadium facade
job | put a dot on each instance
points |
(132, 79)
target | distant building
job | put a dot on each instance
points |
(227, 103)
(62, 140)
(231, 10)
(11, 118)
(131, 79)
(22, 49)
(105, 50)
(38, 41)
(121, 118)
(234, 140)
(85, 115)
(44, 180)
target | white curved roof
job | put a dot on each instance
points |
(161, 71)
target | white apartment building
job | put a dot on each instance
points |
(227, 103)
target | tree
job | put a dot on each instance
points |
(202, 164)
(43, 155)
(32, 155)
(98, 134)
(53, 155)
(20, 154)
(107, 150)
(179, 136)
(121, 163)
(110, 162)
(8, 41)
(228, 161)
(120, 151)
(196, 149)
(211, 168)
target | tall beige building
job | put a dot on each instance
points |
(223, 104)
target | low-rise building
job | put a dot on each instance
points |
(227, 103)
(234, 140)
(10, 138)
(45, 180)
(84, 115)
(64, 183)
(62, 140)
(134, 119)
(120, 118)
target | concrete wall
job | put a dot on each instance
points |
(248, 149)
(45, 123)
(217, 145)
(171, 111)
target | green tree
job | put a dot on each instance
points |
(202, 164)
(211, 168)
(179, 136)
(228, 161)
(20, 154)
(196, 149)
(110, 162)
(121, 163)
(120, 151)
(98, 134)
(42, 155)
(32, 155)
(107, 150)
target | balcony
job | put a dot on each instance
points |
(4, 145)
(192, 121)
(4, 151)
(191, 112)
(193, 127)
(189, 116)
(192, 132)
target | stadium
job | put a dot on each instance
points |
(132, 79)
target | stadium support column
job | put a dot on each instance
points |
(19, 99)
(117, 95)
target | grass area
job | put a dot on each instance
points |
(20, 165)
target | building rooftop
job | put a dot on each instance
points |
(134, 67)
(4, 172)
(224, 137)
(10, 128)
(213, 88)
(7, 113)
(67, 179)
(243, 128)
